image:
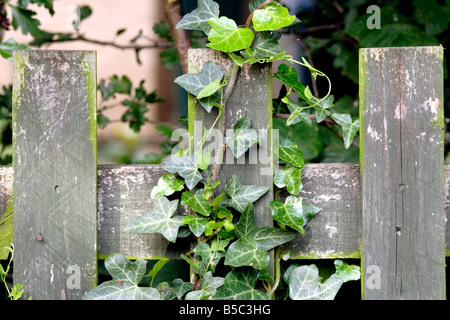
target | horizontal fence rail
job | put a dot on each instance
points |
(124, 194)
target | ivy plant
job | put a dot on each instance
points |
(223, 224)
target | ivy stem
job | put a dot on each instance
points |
(233, 73)
(277, 273)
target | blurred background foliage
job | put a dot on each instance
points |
(329, 36)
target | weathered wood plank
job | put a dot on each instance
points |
(55, 173)
(123, 195)
(402, 127)
(251, 97)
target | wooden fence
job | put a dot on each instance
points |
(390, 212)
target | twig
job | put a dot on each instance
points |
(319, 28)
(174, 12)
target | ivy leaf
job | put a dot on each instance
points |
(167, 185)
(288, 75)
(240, 285)
(208, 287)
(273, 16)
(181, 287)
(349, 128)
(305, 283)
(158, 220)
(7, 47)
(186, 167)
(23, 18)
(211, 255)
(241, 138)
(321, 107)
(266, 45)
(240, 195)
(226, 36)
(293, 212)
(196, 224)
(265, 238)
(289, 152)
(297, 113)
(196, 202)
(244, 252)
(289, 178)
(194, 83)
(198, 19)
(126, 277)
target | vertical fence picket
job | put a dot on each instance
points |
(402, 173)
(55, 173)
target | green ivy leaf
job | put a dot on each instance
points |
(211, 255)
(289, 152)
(198, 19)
(265, 238)
(196, 202)
(273, 16)
(203, 85)
(244, 252)
(240, 195)
(305, 283)
(321, 107)
(208, 287)
(181, 287)
(293, 212)
(288, 75)
(266, 46)
(240, 285)
(297, 113)
(196, 224)
(167, 185)
(186, 167)
(7, 47)
(242, 137)
(226, 36)
(126, 277)
(289, 178)
(158, 220)
(23, 18)
(349, 128)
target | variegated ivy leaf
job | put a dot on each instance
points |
(288, 151)
(196, 202)
(198, 19)
(227, 37)
(204, 84)
(167, 185)
(186, 167)
(208, 287)
(196, 224)
(159, 220)
(124, 285)
(321, 107)
(241, 138)
(289, 178)
(306, 284)
(293, 212)
(240, 195)
(240, 285)
(349, 128)
(273, 16)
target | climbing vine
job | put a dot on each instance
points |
(223, 224)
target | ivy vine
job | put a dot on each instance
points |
(243, 246)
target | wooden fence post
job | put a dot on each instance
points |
(55, 173)
(402, 163)
(251, 97)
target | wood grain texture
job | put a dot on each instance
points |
(123, 195)
(402, 127)
(251, 97)
(55, 173)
